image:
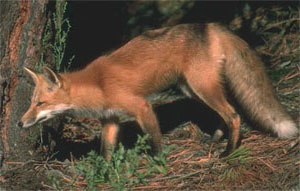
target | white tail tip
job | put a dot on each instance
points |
(286, 129)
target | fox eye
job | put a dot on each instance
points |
(40, 103)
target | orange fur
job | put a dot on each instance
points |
(109, 138)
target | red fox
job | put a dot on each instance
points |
(199, 58)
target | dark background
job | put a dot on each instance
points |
(98, 27)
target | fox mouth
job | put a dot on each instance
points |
(42, 119)
(27, 125)
(34, 122)
(44, 116)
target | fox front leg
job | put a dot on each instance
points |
(109, 137)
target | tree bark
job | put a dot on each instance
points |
(21, 28)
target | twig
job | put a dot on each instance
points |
(280, 23)
(149, 187)
(174, 177)
(267, 164)
(288, 76)
(22, 164)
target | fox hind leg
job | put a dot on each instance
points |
(208, 88)
(219, 132)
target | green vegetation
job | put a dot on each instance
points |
(62, 27)
(124, 170)
(236, 161)
(240, 156)
(55, 38)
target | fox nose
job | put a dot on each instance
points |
(20, 124)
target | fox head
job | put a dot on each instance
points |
(49, 98)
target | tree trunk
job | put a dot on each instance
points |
(21, 28)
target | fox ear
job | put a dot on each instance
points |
(32, 74)
(53, 78)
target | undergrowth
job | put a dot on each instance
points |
(124, 170)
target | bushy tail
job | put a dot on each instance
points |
(253, 90)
